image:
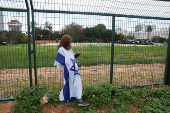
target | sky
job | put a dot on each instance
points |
(58, 21)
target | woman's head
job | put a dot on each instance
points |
(65, 42)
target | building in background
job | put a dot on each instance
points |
(143, 31)
(125, 32)
(1, 21)
(164, 32)
(15, 25)
(140, 27)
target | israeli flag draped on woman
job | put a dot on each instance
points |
(72, 81)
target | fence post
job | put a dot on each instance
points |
(34, 49)
(112, 49)
(167, 68)
(29, 43)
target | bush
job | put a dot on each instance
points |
(14, 37)
(2, 37)
(25, 39)
(166, 40)
(129, 37)
(99, 96)
(158, 39)
(28, 100)
(53, 99)
(161, 40)
(18, 37)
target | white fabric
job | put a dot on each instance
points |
(75, 86)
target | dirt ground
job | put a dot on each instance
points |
(13, 80)
(5, 107)
(136, 74)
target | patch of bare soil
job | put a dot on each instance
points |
(13, 80)
(5, 107)
(61, 108)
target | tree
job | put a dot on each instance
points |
(11, 37)
(98, 30)
(107, 35)
(48, 26)
(88, 34)
(43, 33)
(158, 39)
(120, 36)
(35, 24)
(38, 31)
(74, 30)
(129, 37)
(97, 33)
(56, 35)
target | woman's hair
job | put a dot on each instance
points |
(65, 42)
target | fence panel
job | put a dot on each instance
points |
(90, 32)
(14, 72)
(90, 24)
(140, 61)
(135, 62)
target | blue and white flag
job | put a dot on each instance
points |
(72, 81)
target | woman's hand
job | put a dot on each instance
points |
(79, 52)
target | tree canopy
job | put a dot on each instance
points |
(98, 33)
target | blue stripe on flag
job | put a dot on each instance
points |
(60, 59)
(66, 89)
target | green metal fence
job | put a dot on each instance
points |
(108, 55)
(15, 69)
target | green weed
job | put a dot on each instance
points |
(53, 99)
(28, 100)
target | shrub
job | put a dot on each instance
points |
(25, 39)
(18, 37)
(14, 37)
(2, 36)
(28, 100)
(166, 40)
(158, 39)
(129, 37)
(53, 99)
(99, 96)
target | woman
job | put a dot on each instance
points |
(72, 80)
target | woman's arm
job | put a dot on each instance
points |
(76, 55)
(79, 52)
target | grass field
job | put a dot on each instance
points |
(133, 65)
(16, 56)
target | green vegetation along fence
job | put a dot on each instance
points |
(112, 47)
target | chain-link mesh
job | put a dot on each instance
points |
(95, 58)
(140, 45)
(140, 51)
(14, 63)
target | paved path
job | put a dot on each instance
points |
(98, 44)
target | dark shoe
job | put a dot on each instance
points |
(69, 103)
(83, 104)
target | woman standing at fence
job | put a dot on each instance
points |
(72, 81)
